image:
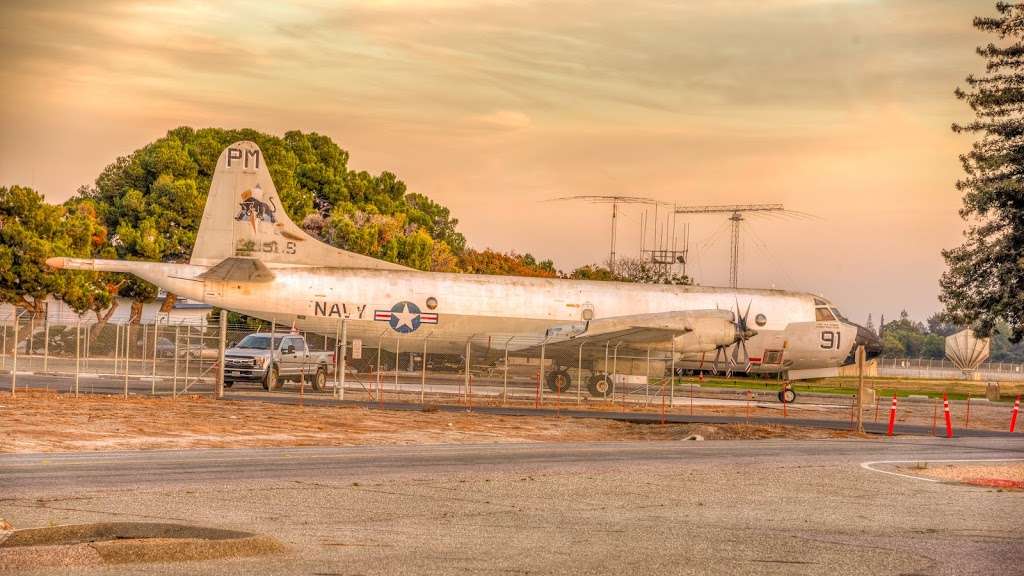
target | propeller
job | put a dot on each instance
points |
(743, 333)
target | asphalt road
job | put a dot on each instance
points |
(750, 507)
(251, 392)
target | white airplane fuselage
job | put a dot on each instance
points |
(499, 311)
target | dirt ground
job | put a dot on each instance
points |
(39, 421)
(997, 475)
(980, 415)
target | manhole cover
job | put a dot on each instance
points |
(126, 542)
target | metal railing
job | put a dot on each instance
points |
(944, 369)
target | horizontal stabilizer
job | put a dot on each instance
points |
(238, 269)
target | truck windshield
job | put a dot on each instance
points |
(257, 342)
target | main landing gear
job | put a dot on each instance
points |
(559, 380)
(599, 385)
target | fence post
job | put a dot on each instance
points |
(30, 348)
(615, 367)
(398, 344)
(469, 351)
(46, 341)
(504, 383)
(380, 389)
(127, 353)
(142, 349)
(3, 347)
(647, 380)
(423, 371)
(579, 377)
(14, 356)
(540, 380)
(221, 347)
(152, 376)
(117, 345)
(174, 378)
(860, 388)
(188, 351)
(337, 348)
(344, 354)
(78, 352)
(672, 376)
(88, 337)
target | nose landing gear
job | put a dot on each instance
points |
(787, 395)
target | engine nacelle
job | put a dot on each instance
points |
(707, 335)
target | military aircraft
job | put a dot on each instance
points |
(251, 258)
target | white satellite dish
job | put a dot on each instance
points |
(966, 351)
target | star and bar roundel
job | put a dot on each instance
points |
(405, 317)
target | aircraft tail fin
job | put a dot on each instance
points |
(244, 218)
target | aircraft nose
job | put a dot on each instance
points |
(871, 342)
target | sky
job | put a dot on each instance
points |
(838, 109)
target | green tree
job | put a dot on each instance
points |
(152, 200)
(32, 231)
(985, 280)
(630, 270)
(491, 262)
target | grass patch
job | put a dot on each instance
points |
(884, 387)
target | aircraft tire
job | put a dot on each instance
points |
(787, 396)
(271, 380)
(559, 380)
(229, 383)
(319, 382)
(600, 386)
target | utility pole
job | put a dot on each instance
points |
(734, 250)
(736, 218)
(611, 257)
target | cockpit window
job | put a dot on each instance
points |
(820, 302)
(837, 313)
(823, 314)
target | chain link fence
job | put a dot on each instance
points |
(182, 357)
(171, 357)
(928, 368)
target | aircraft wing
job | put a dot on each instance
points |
(632, 332)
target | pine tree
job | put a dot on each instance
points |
(985, 280)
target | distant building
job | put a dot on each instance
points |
(183, 312)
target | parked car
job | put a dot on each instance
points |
(258, 359)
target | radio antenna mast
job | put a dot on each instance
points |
(736, 212)
(614, 201)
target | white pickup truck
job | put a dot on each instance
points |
(254, 359)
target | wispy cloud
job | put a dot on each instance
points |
(815, 102)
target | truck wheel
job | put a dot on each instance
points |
(787, 396)
(319, 382)
(559, 380)
(271, 381)
(600, 386)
